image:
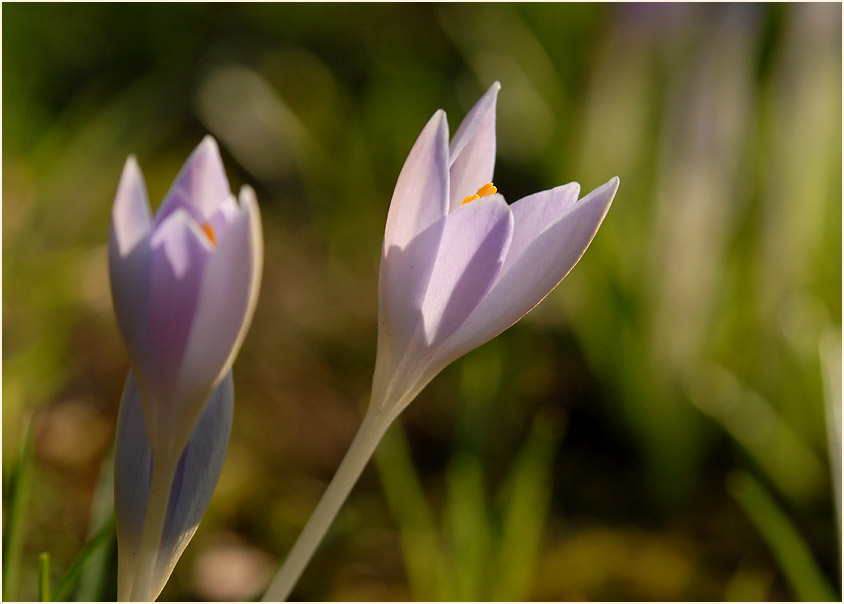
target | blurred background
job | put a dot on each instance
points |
(665, 426)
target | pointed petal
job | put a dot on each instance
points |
(412, 235)
(201, 185)
(535, 213)
(535, 273)
(128, 260)
(473, 247)
(227, 300)
(197, 474)
(130, 216)
(420, 198)
(179, 252)
(472, 150)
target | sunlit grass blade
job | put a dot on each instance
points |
(417, 529)
(65, 587)
(527, 498)
(15, 524)
(467, 527)
(44, 577)
(791, 551)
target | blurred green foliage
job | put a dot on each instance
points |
(582, 454)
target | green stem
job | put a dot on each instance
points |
(374, 424)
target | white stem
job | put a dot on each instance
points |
(161, 483)
(374, 424)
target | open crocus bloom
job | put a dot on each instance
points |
(459, 265)
(184, 284)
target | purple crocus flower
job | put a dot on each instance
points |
(459, 265)
(184, 284)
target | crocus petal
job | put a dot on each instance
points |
(223, 216)
(538, 269)
(128, 258)
(130, 217)
(414, 227)
(472, 150)
(201, 185)
(227, 299)
(196, 476)
(535, 213)
(473, 247)
(420, 198)
(179, 252)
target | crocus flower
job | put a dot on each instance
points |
(458, 266)
(184, 284)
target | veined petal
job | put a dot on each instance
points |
(414, 227)
(473, 247)
(227, 299)
(535, 272)
(201, 185)
(179, 251)
(128, 260)
(472, 150)
(196, 476)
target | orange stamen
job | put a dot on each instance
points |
(206, 228)
(487, 189)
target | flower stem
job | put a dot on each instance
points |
(374, 424)
(161, 483)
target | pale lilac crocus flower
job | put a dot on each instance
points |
(184, 284)
(458, 266)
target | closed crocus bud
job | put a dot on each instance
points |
(184, 284)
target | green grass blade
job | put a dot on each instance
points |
(791, 551)
(65, 587)
(44, 577)
(467, 528)
(527, 498)
(18, 505)
(409, 506)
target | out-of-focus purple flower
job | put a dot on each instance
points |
(184, 283)
(459, 265)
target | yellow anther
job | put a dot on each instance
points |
(487, 189)
(206, 228)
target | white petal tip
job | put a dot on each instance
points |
(209, 143)
(247, 195)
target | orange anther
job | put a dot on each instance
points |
(487, 189)
(206, 228)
